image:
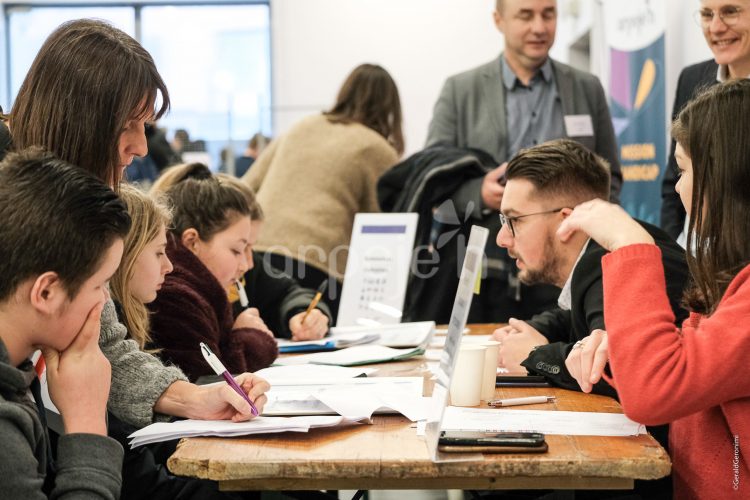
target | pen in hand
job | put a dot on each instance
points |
(244, 301)
(531, 400)
(219, 369)
(321, 289)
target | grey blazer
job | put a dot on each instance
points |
(470, 112)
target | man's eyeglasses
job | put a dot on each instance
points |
(511, 220)
(729, 15)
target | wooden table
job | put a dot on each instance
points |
(389, 455)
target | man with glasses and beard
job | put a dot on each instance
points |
(544, 184)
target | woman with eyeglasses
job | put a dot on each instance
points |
(726, 28)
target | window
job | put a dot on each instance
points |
(215, 59)
(217, 69)
(29, 27)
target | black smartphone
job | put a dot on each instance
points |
(521, 381)
(492, 442)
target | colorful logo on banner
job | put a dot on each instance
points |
(635, 41)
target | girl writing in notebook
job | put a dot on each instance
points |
(207, 243)
(279, 300)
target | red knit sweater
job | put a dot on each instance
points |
(193, 307)
(696, 379)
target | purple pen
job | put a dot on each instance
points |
(212, 360)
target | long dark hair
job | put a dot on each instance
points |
(87, 80)
(714, 130)
(369, 96)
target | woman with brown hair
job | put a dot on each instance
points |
(279, 301)
(692, 378)
(312, 180)
(86, 98)
(208, 240)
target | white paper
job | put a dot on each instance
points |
(364, 354)
(578, 126)
(571, 423)
(352, 403)
(166, 431)
(377, 268)
(310, 374)
(399, 335)
(355, 398)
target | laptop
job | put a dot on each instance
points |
(470, 272)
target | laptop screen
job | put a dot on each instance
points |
(459, 315)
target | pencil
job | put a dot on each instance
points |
(321, 288)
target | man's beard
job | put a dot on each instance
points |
(548, 273)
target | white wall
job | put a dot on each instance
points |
(420, 42)
(685, 44)
(316, 43)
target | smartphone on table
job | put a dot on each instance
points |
(521, 381)
(492, 442)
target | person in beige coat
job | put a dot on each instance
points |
(312, 180)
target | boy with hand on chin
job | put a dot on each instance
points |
(61, 239)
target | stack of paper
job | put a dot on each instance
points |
(327, 344)
(166, 431)
(571, 423)
(353, 356)
(355, 398)
(398, 335)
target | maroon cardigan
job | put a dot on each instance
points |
(193, 307)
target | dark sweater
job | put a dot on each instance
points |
(88, 465)
(277, 296)
(193, 307)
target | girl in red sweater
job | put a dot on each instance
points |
(695, 378)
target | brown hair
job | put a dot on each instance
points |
(55, 217)
(562, 168)
(713, 130)
(178, 173)
(258, 142)
(149, 214)
(86, 82)
(256, 213)
(204, 202)
(369, 96)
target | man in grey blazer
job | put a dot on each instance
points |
(519, 100)
(522, 98)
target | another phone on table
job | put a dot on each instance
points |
(492, 442)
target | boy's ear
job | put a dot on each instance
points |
(47, 293)
(190, 239)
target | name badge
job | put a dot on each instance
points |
(579, 125)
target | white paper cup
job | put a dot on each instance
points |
(466, 383)
(489, 373)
